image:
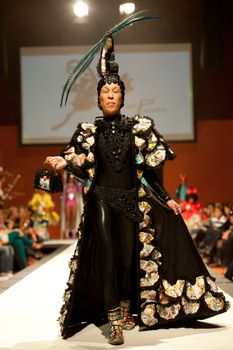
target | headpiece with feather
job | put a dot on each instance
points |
(107, 46)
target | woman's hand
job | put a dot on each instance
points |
(56, 163)
(174, 206)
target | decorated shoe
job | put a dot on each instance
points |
(127, 319)
(115, 336)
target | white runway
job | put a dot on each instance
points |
(29, 309)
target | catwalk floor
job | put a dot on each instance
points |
(30, 307)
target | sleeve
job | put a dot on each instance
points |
(75, 157)
(76, 171)
(154, 151)
(151, 177)
(151, 144)
(157, 150)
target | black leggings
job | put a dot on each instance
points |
(116, 238)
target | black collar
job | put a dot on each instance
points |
(110, 119)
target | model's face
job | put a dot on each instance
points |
(110, 99)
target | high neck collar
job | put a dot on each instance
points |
(110, 118)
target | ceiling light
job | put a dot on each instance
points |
(81, 9)
(127, 8)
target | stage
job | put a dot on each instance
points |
(30, 303)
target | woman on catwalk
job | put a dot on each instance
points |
(134, 254)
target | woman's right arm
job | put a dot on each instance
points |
(71, 159)
(56, 163)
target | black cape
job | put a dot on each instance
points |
(170, 281)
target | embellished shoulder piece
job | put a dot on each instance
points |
(142, 125)
(87, 129)
(78, 151)
(154, 150)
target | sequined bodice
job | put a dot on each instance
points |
(115, 143)
(114, 154)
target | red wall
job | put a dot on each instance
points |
(207, 162)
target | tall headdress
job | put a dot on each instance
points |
(107, 64)
(107, 61)
(107, 69)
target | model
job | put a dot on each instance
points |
(134, 254)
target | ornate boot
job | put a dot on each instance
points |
(115, 336)
(127, 319)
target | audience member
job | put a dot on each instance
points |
(16, 239)
(6, 261)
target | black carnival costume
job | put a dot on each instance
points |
(131, 245)
(169, 280)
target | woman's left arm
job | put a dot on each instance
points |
(152, 179)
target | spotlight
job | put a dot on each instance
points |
(127, 8)
(81, 9)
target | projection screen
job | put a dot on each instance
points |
(158, 81)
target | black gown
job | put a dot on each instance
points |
(169, 280)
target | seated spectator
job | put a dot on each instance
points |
(209, 210)
(225, 245)
(6, 261)
(17, 240)
(208, 245)
(227, 208)
(27, 227)
(218, 219)
(12, 220)
(207, 214)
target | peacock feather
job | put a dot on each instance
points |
(88, 58)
